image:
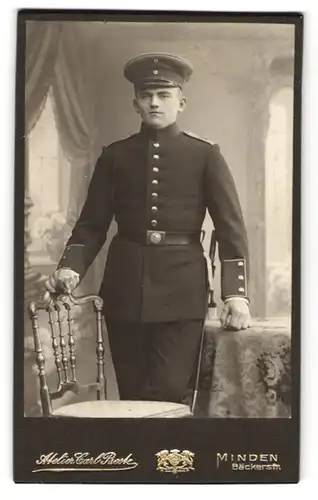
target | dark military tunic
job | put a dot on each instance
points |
(160, 180)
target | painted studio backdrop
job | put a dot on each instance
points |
(241, 97)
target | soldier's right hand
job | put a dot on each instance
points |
(63, 280)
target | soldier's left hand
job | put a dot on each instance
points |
(236, 315)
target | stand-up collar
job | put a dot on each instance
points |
(159, 134)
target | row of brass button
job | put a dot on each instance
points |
(154, 182)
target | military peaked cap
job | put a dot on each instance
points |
(158, 69)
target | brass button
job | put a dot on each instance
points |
(240, 264)
(240, 277)
(156, 144)
(154, 195)
(155, 182)
(155, 169)
(154, 223)
(241, 289)
(154, 209)
(156, 157)
(155, 60)
(155, 72)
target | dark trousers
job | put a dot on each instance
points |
(154, 361)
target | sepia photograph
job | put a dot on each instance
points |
(159, 215)
(159, 161)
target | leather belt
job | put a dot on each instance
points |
(157, 238)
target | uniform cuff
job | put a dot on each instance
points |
(73, 258)
(233, 279)
(236, 297)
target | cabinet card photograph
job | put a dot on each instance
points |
(157, 249)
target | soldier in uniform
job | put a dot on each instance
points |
(158, 184)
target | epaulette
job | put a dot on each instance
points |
(194, 136)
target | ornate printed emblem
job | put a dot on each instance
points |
(175, 461)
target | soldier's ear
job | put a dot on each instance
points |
(136, 105)
(182, 103)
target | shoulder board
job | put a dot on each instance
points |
(194, 136)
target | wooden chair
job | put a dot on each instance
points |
(63, 343)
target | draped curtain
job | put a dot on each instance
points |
(74, 103)
(59, 60)
(42, 42)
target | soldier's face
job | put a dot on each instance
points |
(159, 107)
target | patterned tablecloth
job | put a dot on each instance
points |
(247, 373)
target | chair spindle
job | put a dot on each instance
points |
(62, 343)
(56, 347)
(71, 342)
(100, 350)
(40, 361)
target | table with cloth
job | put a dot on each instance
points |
(246, 374)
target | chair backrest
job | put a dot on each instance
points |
(59, 309)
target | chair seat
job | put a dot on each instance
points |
(124, 409)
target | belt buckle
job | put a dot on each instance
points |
(156, 237)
